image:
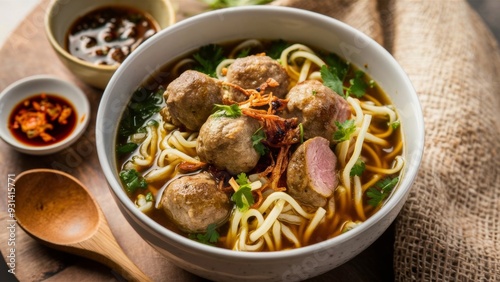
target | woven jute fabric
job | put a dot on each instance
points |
(449, 228)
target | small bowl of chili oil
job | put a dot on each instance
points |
(42, 114)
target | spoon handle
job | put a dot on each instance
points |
(104, 248)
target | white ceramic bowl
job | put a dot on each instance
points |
(262, 22)
(30, 86)
(61, 14)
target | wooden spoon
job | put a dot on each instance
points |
(58, 210)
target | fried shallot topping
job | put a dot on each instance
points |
(280, 133)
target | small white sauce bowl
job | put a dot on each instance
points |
(31, 86)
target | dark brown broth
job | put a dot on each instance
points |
(106, 36)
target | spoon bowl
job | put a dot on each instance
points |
(58, 210)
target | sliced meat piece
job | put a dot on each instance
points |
(193, 202)
(311, 172)
(317, 107)
(226, 143)
(191, 98)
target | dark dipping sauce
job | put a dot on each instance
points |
(42, 120)
(106, 36)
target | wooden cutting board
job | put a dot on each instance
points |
(27, 52)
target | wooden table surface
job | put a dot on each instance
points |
(27, 52)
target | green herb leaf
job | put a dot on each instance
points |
(243, 198)
(340, 67)
(381, 190)
(126, 148)
(143, 105)
(331, 79)
(132, 180)
(344, 130)
(209, 238)
(334, 73)
(334, 76)
(257, 144)
(242, 179)
(244, 53)
(149, 197)
(209, 56)
(358, 168)
(232, 111)
(395, 124)
(358, 85)
(276, 48)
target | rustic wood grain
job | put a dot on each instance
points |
(27, 52)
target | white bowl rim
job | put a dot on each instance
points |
(398, 196)
(82, 104)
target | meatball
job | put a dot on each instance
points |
(193, 202)
(311, 172)
(317, 107)
(190, 99)
(226, 143)
(252, 71)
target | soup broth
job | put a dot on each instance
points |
(106, 36)
(378, 165)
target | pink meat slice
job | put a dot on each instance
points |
(311, 173)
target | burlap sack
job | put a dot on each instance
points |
(449, 229)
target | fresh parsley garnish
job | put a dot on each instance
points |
(257, 139)
(143, 105)
(344, 130)
(149, 197)
(132, 180)
(242, 179)
(244, 53)
(331, 79)
(358, 85)
(208, 57)
(243, 197)
(209, 238)
(126, 148)
(395, 124)
(381, 190)
(276, 48)
(232, 111)
(358, 168)
(129, 147)
(334, 74)
(340, 66)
